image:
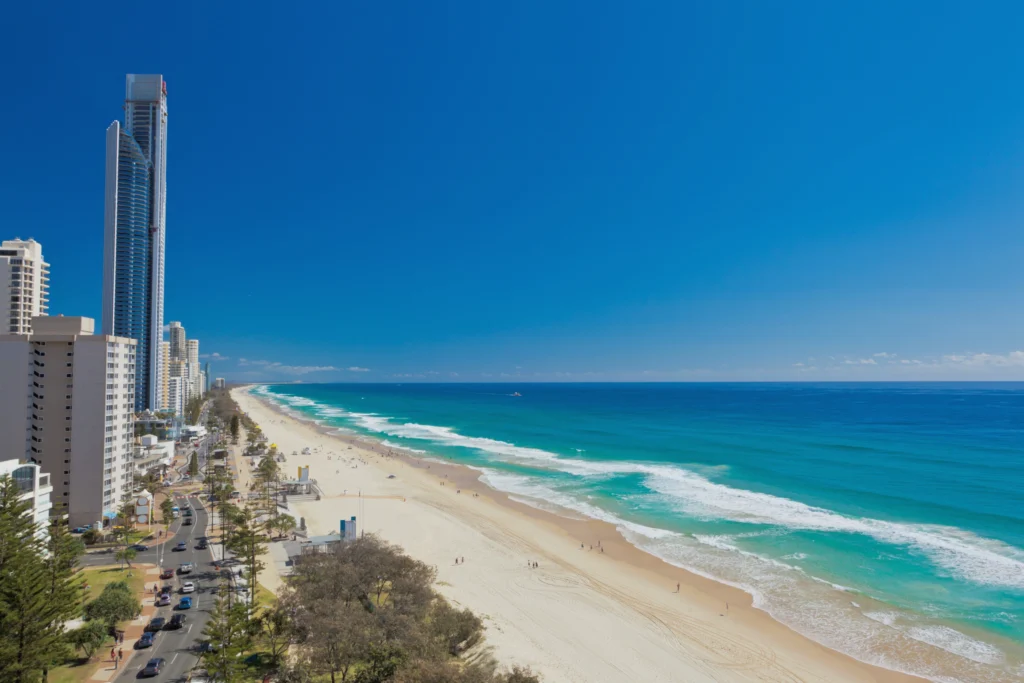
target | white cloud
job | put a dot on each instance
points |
(355, 368)
(985, 360)
(883, 354)
(277, 367)
(214, 356)
(795, 365)
(860, 361)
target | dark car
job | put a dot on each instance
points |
(180, 547)
(139, 547)
(167, 574)
(176, 622)
(145, 640)
(202, 544)
(187, 522)
(156, 623)
(153, 667)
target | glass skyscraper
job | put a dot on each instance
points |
(133, 246)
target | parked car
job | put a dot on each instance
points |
(180, 547)
(80, 529)
(167, 574)
(176, 622)
(153, 667)
(163, 600)
(186, 568)
(185, 603)
(145, 640)
(167, 590)
(155, 624)
(188, 587)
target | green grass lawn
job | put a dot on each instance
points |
(77, 670)
(98, 577)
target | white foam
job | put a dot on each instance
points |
(951, 640)
(389, 444)
(961, 553)
(887, 618)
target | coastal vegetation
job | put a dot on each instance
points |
(368, 613)
(41, 590)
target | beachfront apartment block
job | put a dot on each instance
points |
(176, 395)
(34, 485)
(24, 285)
(178, 342)
(134, 230)
(68, 406)
(219, 383)
(164, 372)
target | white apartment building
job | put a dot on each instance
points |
(176, 333)
(219, 383)
(35, 486)
(194, 369)
(74, 412)
(164, 373)
(176, 395)
(24, 285)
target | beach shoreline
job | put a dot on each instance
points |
(639, 625)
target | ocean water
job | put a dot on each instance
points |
(883, 520)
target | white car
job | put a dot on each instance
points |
(188, 587)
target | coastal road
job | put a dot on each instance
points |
(178, 648)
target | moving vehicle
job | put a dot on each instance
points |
(153, 667)
(185, 603)
(155, 624)
(187, 522)
(167, 574)
(188, 587)
(139, 547)
(176, 622)
(145, 640)
(180, 546)
(202, 544)
(186, 568)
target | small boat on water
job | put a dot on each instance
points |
(516, 393)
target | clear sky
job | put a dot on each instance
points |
(544, 190)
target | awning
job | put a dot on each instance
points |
(110, 514)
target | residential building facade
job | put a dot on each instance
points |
(24, 285)
(35, 487)
(134, 229)
(70, 409)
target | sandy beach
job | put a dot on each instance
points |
(596, 609)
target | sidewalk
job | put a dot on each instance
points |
(105, 670)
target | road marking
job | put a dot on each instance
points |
(174, 657)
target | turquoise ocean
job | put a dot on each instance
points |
(885, 521)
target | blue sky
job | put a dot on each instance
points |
(548, 191)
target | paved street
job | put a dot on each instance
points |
(177, 647)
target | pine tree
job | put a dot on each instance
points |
(227, 631)
(37, 593)
(247, 543)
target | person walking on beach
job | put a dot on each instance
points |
(677, 587)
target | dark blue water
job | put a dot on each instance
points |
(885, 520)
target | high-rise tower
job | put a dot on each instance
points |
(134, 235)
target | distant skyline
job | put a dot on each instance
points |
(548, 192)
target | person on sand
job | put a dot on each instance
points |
(677, 587)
